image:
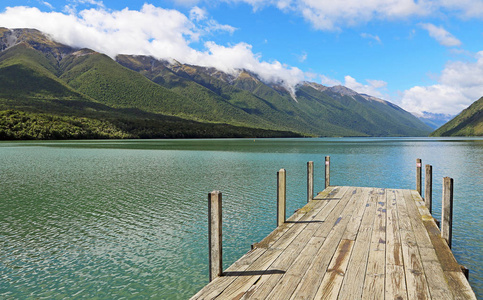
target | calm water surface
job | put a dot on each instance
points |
(128, 219)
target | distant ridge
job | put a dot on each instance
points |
(468, 123)
(39, 75)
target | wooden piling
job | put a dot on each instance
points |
(281, 196)
(418, 176)
(310, 180)
(327, 171)
(215, 234)
(447, 210)
(428, 187)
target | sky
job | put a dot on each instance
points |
(425, 56)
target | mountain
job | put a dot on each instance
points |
(40, 78)
(146, 96)
(434, 120)
(468, 123)
(314, 109)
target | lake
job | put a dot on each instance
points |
(128, 218)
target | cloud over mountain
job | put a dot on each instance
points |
(155, 31)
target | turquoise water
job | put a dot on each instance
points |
(128, 219)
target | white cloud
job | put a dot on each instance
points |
(91, 2)
(372, 88)
(332, 15)
(302, 57)
(465, 8)
(337, 14)
(46, 4)
(154, 31)
(198, 14)
(441, 35)
(241, 56)
(213, 25)
(325, 80)
(371, 37)
(459, 85)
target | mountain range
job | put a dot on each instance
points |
(90, 94)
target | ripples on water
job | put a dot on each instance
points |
(129, 219)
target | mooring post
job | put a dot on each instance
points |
(447, 210)
(215, 236)
(428, 187)
(310, 180)
(281, 196)
(327, 171)
(418, 175)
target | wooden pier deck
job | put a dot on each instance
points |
(349, 243)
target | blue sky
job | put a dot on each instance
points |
(426, 56)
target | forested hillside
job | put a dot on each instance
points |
(142, 97)
(468, 123)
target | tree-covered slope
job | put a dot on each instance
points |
(39, 75)
(311, 112)
(39, 103)
(468, 123)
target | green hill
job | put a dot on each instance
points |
(468, 123)
(313, 111)
(44, 98)
(39, 76)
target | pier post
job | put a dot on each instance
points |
(310, 180)
(418, 175)
(428, 187)
(327, 171)
(281, 196)
(215, 235)
(447, 210)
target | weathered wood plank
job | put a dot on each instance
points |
(353, 283)
(437, 284)
(415, 217)
(459, 285)
(274, 243)
(356, 218)
(220, 283)
(314, 266)
(265, 285)
(330, 286)
(417, 286)
(293, 233)
(261, 267)
(395, 284)
(438, 280)
(329, 193)
(375, 272)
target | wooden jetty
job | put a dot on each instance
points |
(346, 243)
